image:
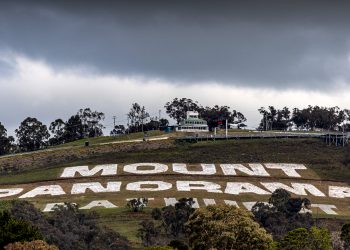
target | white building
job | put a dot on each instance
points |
(193, 123)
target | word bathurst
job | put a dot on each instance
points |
(156, 169)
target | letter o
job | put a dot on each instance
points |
(161, 186)
(157, 168)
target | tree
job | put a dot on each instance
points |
(303, 239)
(74, 129)
(168, 224)
(274, 119)
(282, 213)
(149, 233)
(118, 130)
(57, 128)
(137, 117)
(345, 235)
(14, 230)
(175, 217)
(177, 108)
(226, 227)
(6, 142)
(219, 114)
(163, 122)
(91, 121)
(32, 134)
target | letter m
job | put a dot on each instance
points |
(109, 169)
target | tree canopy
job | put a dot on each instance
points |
(303, 239)
(32, 134)
(282, 213)
(226, 227)
(6, 142)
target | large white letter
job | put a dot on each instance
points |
(52, 190)
(288, 169)
(339, 192)
(161, 186)
(297, 188)
(157, 168)
(243, 187)
(255, 169)
(96, 187)
(211, 187)
(101, 203)
(110, 169)
(327, 208)
(207, 169)
(10, 192)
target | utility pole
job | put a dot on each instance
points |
(127, 117)
(114, 117)
(343, 135)
(159, 111)
(226, 129)
(142, 115)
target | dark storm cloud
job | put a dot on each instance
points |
(275, 44)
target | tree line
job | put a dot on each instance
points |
(32, 134)
(310, 118)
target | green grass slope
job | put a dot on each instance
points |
(327, 164)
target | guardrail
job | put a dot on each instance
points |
(201, 137)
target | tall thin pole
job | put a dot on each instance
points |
(114, 117)
(226, 128)
(343, 136)
(127, 117)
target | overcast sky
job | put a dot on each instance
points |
(59, 56)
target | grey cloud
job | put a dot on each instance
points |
(269, 44)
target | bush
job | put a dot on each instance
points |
(137, 205)
(345, 235)
(69, 228)
(13, 230)
(32, 245)
(156, 214)
(178, 244)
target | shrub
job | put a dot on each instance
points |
(32, 245)
(13, 230)
(137, 205)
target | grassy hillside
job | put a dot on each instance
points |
(327, 165)
(329, 162)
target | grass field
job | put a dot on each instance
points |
(108, 139)
(327, 163)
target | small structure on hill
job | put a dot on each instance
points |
(193, 123)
